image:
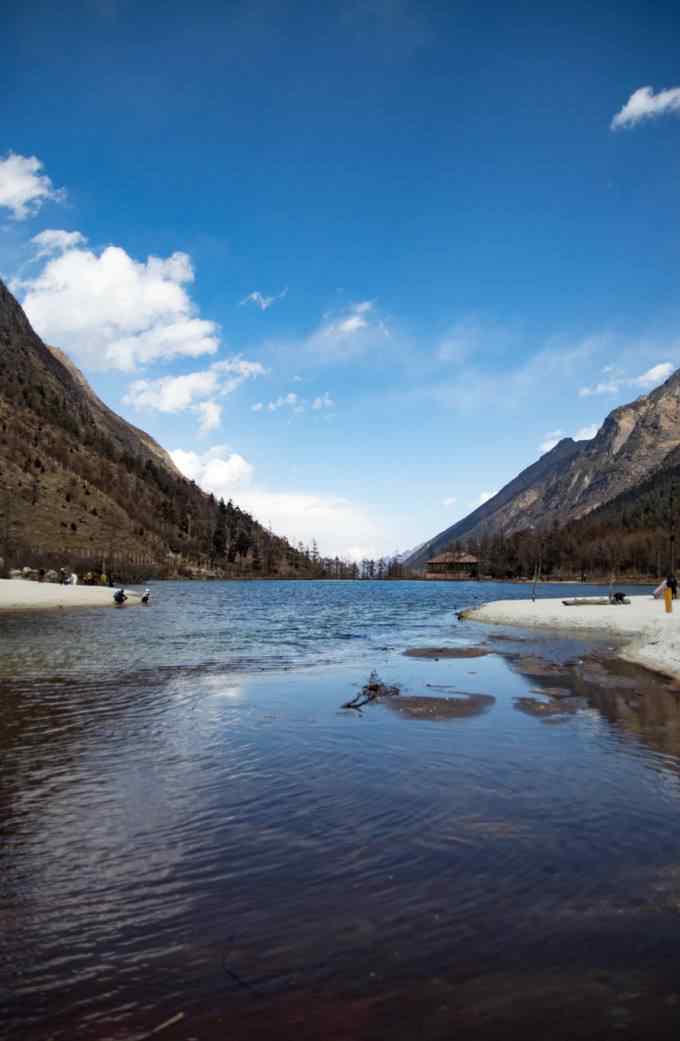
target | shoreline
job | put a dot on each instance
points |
(18, 594)
(655, 635)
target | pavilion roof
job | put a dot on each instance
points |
(454, 558)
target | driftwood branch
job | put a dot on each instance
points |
(372, 691)
(167, 1023)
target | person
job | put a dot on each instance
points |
(119, 596)
(668, 583)
(146, 596)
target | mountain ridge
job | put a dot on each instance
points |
(575, 478)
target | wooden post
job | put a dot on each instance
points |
(668, 600)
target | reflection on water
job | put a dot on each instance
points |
(191, 823)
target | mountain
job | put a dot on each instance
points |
(519, 494)
(79, 484)
(575, 478)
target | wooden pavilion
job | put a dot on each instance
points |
(453, 565)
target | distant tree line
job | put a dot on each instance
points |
(633, 535)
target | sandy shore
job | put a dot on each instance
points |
(655, 635)
(16, 594)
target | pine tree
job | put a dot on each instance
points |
(219, 543)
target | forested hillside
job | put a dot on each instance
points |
(79, 485)
(632, 535)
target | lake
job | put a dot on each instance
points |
(197, 837)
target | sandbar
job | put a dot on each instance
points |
(655, 635)
(446, 652)
(18, 594)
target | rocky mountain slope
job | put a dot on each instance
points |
(79, 482)
(575, 478)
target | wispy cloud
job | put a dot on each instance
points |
(474, 336)
(552, 438)
(295, 403)
(586, 433)
(290, 401)
(646, 381)
(53, 241)
(24, 187)
(644, 105)
(348, 333)
(262, 301)
(210, 413)
(450, 500)
(237, 370)
(195, 391)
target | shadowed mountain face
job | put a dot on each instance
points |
(78, 480)
(633, 443)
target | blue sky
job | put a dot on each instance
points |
(354, 263)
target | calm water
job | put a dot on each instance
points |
(191, 824)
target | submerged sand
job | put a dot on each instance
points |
(655, 635)
(17, 594)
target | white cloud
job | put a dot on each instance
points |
(358, 553)
(484, 497)
(171, 393)
(23, 187)
(586, 433)
(450, 500)
(657, 374)
(113, 312)
(338, 525)
(217, 470)
(55, 241)
(261, 301)
(210, 413)
(325, 401)
(644, 104)
(647, 380)
(552, 438)
(258, 406)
